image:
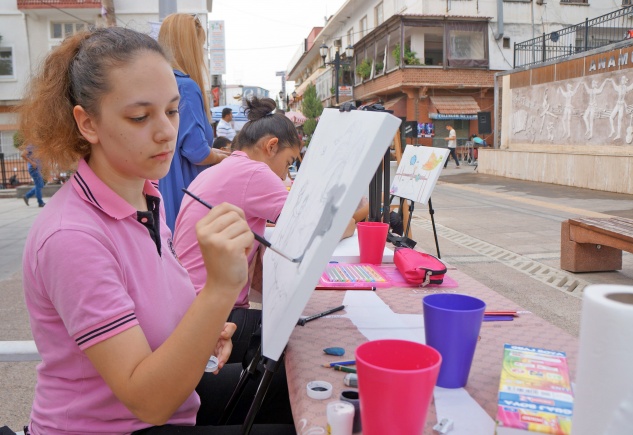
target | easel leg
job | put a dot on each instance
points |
(249, 373)
(386, 211)
(408, 215)
(432, 212)
(374, 197)
(271, 368)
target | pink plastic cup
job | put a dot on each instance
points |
(395, 384)
(372, 237)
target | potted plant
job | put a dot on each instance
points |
(379, 67)
(363, 69)
(409, 56)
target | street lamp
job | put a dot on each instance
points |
(337, 62)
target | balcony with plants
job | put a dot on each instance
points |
(405, 44)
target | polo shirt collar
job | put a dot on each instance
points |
(240, 154)
(180, 73)
(91, 189)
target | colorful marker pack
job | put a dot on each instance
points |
(354, 275)
(535, 392)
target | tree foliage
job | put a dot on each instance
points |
(312, 108)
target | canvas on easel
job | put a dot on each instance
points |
(343, 155)
(417, 173)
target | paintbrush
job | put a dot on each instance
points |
(259, 238)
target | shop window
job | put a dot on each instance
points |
(363, 27)
(467, 45)
(378, 15)
(6, 62)
(63, 30)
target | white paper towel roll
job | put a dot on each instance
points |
(604, 378)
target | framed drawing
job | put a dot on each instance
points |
(417, 174)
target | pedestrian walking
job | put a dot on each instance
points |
(452, 145)
(36, 174)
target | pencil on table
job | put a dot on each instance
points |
(340, 363)
(344, 369)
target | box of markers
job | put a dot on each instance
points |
(535, 394)
(346, 275)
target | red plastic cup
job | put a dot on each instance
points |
(372, 237)
(395, 384)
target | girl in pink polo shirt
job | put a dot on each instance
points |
(251, 179)
(123, 335)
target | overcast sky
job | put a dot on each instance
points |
(263, 35)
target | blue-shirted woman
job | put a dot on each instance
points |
(183, 37)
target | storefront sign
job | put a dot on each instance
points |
(345, 91)
(446, 116)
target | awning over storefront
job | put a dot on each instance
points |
(458, 107)
(398, 105)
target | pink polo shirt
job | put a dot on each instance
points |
(248, 184)
(92, 269)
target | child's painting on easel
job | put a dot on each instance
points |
(418, 172)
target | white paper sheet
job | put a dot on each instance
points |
(375, 320)
(468, 417)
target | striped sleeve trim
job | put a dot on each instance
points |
(104, 330)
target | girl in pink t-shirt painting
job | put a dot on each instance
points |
(123, 335)
(251, 178)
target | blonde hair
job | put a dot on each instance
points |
(75, 73)
(182, 36)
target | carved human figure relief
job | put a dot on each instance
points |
(568, 108)
(545, 111)
(620, 105)
(590, 111)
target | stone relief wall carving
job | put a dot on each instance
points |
(593, 110)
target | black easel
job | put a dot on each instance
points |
(251, 372)
(271, 367)
(404, 240)
(432, 212)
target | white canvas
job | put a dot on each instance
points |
(419, 169)
(345, 151)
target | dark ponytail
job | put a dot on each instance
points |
(263, 122)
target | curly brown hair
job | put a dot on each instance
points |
(75, 73)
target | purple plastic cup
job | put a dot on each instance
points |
(451, 326)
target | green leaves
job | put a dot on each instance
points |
(312, 108)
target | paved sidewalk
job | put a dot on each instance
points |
(504, 233)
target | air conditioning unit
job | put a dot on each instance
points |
(338, 43)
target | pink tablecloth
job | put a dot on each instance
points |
(304, 355)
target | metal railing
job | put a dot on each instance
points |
(13, 172)
(598, 32)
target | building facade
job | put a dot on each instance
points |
(29, 29)
(431, 61)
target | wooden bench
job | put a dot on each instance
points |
(595, 244)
